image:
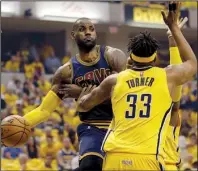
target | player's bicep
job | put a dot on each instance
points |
(181, 73)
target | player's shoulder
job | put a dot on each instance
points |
(109, 51)
(64, 71)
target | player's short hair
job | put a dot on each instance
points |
(143, 45)
(75, 25)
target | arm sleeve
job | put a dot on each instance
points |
(176, 59)
(43, 112)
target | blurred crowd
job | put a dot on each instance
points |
(31, 58)
(53, 145)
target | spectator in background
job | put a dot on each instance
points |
(26, 88)
(46, 51)
(52, 63)
(12, 153)
(65, 156)
(32, 148)
(18, 108)
(43, 84)
(23, 159)
(66, 58)
(3, 89)
(33, 52)
(50, 148)
(38, 68)
(48, 163)
(12, 65)
(29, 70)
(10, 97)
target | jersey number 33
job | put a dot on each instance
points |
(132, 100)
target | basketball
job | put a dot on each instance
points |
(15, 131)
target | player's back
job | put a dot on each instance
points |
(141, 105)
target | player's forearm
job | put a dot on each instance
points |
(184, 48)
(43, 112)
(85, 103)
(171, 41)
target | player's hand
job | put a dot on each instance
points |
(69, 90)
(87, 90)
(173, 14)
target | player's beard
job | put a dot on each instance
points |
(85, 46)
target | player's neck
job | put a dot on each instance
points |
(88, 56)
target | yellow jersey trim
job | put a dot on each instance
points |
(161, 130)
(105, 139)
(91, 153)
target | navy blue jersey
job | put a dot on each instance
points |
(87, 73)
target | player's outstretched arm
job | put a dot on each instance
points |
(180, 74)
(116, 59)
(175, 57)
(53, 97)
(92, 96)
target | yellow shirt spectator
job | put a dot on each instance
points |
(2, 88)
(12, 65)
(38, 66)
(29, 70)
(47, 51)
(44, 85)
(10, 98)
(49, 148)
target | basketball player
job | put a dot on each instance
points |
(171, 149)
(92, 65)
(141, 101)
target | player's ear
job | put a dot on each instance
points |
(73, 35)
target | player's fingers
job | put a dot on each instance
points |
(180, 20)
(183, 22)
(164, 16)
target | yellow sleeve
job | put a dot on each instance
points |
(43, 112)
(176, 59)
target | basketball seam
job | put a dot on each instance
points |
(11, 135)
(21, 122)
(16, 126)
(22, 134)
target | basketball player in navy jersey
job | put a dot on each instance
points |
(91, 65)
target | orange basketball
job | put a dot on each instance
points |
(15, 131)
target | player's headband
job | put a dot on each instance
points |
(143, 59)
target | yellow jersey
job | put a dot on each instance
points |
(171, 149)
(141, 105)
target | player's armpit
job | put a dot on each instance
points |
(98, 95)
(116, 59)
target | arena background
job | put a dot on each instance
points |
(35, 41)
